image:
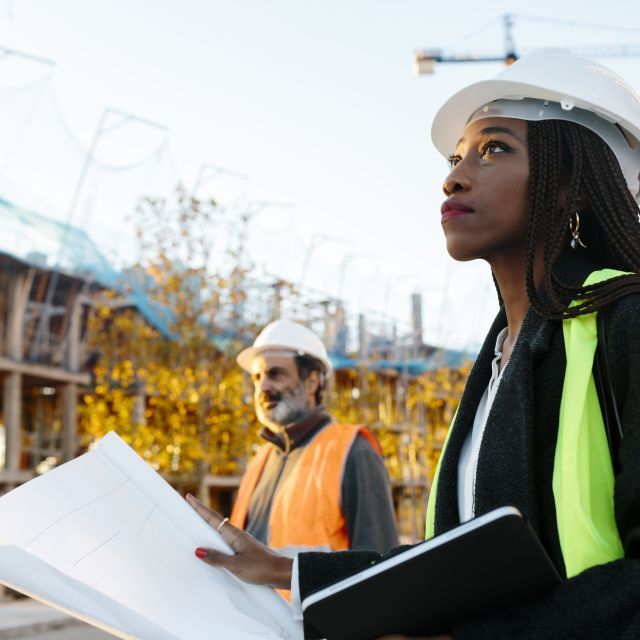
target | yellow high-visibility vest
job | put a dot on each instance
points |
(583, 476)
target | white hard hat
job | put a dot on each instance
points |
(285, 334)
(564, 86)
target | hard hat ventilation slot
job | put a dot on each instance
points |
(632, 141)
(605, 115)
(567, 104)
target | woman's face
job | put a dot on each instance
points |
(486, 211)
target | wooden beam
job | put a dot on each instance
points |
(69, 421)
(73, 337)
(19, 287)
(222, 482)
(35, 308)
(415, 483)
(138, 416)
(46, 372)
(15, 477)
(12, 414)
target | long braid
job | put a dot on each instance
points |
(622, 228)
(537, 178)
(554, 232)
(544, 180)
(608, 223)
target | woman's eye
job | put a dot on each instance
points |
(493, 146)
(453, 160)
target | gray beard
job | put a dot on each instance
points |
(287, 411)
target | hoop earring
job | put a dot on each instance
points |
(574, 228)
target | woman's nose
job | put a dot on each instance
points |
(455, 182)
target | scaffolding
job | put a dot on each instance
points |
(53, 278)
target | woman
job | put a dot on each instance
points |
(545, 161)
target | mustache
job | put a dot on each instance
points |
(271, 396)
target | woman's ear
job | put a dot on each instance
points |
(579, 203)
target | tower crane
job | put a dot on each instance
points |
(426, 59)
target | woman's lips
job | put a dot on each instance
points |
(452, 209)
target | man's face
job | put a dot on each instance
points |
(279, 394)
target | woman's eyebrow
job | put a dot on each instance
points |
(493, 130)
(510, 132)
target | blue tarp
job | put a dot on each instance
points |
(440, 358)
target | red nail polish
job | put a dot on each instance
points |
(201, 553)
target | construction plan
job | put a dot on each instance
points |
(107, 540)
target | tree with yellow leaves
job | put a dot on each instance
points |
(410, 416)
(170, 386)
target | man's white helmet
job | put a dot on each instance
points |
(285, 334)
(552, 84)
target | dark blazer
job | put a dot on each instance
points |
(515, 467)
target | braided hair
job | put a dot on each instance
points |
(609, 217)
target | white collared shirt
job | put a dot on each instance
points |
(468, 463)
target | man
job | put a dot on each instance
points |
(314, 484)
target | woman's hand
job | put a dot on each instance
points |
(253, 562)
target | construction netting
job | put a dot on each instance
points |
(69, 204)
(45, 169)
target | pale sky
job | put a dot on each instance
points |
(314, 102)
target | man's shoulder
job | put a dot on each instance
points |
(356, 431)
(363, 443)
(347, 425)
(355, 437)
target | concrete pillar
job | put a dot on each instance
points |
(363, 337)
(69, 421)
(12, 405)
(19, 287)
(416, 321)
(277, 300)
(139, 407)
(70, 390)
(73, 343)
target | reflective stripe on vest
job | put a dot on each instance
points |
(582, 469)
(430, 527)
(582, 473)
(247, 485)
(306, 511)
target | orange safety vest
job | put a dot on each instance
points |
(306, 512)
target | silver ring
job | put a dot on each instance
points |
(224, 521)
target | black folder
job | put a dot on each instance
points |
(486, 564)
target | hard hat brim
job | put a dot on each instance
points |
(246, 357)
(451, 119)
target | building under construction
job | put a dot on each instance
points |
(53, 278)
(44, 364)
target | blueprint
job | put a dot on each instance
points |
(106, 539)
